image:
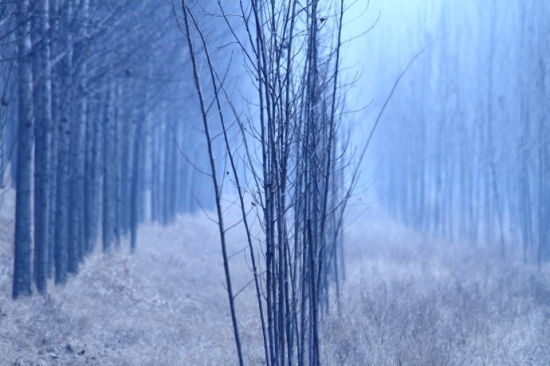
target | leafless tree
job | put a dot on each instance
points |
(292, 53)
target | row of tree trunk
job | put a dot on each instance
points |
(99, 147)
(473, 119)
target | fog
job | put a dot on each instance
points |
(320, 182)
(460, 148)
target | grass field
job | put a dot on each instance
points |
(406, 301)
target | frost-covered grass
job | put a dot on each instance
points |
(411, 302)
(406, 302)
(163, 306)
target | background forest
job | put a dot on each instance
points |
(274, 183)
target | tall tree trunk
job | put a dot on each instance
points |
(78, 124)
(23, 215)
(108, 183)
(135, 181)
(42, 108)
(53, 144)
(63, 142)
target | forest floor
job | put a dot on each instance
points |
(406, 301)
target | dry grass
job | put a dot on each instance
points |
(163, 306)
(407, 302)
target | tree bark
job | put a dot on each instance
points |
(23, 216)
(42, 108)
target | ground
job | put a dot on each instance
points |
(407, 301)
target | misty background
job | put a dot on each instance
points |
(430, 227)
